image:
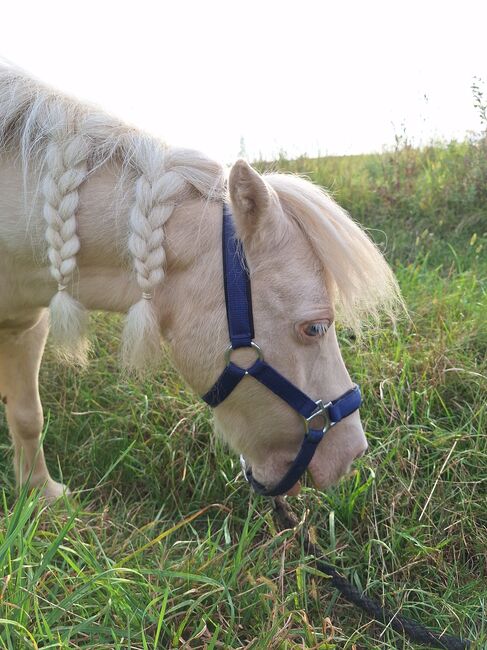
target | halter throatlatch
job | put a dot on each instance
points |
(318, 416)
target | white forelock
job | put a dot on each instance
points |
(361, 282)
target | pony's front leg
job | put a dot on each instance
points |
(20, 359)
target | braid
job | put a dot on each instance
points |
(156, 192)
(66, 168)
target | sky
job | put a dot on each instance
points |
(302, 77)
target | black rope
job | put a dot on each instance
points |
(413, 630)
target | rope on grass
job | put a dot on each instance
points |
(412, 629)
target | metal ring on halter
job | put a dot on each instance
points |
(321, 412)
(254, 346)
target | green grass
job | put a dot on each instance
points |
(163, 546)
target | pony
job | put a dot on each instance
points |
(97, 215)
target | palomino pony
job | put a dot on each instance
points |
(97, 215)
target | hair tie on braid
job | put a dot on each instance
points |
(146, 296)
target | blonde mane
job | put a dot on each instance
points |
(65, 141)
(361, 282)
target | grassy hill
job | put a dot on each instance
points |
(164, 547)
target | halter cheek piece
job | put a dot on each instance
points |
(318, 417)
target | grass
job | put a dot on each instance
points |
(163, 546)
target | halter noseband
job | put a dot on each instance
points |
(318, 417)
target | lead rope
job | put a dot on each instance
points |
(414, 631)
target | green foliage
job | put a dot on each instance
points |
(163, 547)
(414, 201)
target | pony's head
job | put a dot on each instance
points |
(309, 264)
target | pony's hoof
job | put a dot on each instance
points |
(53, 491)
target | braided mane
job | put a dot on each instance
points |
(66, 140)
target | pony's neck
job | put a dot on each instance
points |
(106, 278)
(193, 253)
(193, 288)
(193, 249)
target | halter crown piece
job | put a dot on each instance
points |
(318, 417)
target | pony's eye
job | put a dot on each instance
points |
(316, 329)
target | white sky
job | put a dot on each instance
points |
(302, 76)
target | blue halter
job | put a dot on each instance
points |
(318, 417)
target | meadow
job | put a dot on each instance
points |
(164, 546)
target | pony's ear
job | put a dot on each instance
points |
(251, 200)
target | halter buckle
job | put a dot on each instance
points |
(254, 346)
(320, 412)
